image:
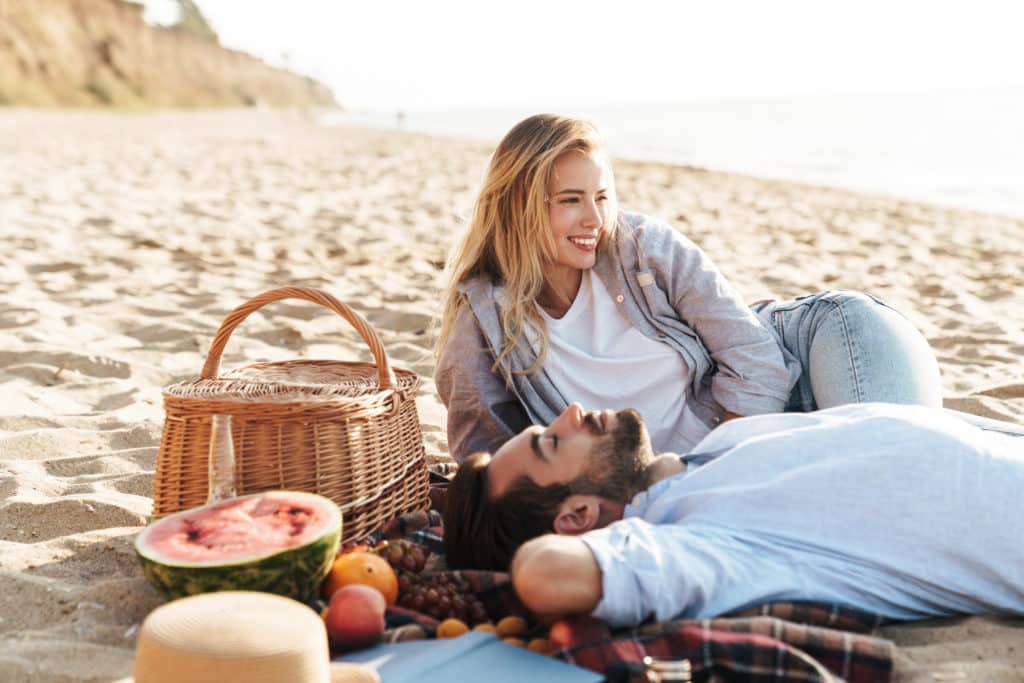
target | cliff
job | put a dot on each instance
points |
(85, 53)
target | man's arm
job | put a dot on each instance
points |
(556, 576)
(632, 570)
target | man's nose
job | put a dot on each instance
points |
(571, 418)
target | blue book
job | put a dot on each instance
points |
(475, 656)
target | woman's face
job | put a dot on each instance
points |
(580, 194)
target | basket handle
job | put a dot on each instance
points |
(212, 366)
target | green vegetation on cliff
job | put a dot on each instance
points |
(191, 20)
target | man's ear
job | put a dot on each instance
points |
(577, 514)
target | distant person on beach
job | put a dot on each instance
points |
(555, 295)
(896, 510)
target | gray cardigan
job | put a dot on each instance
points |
(669, 290)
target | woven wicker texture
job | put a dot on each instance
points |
(346, 430)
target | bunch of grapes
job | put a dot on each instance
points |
(442, 596)
(404, 556)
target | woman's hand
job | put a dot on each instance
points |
(556, 576)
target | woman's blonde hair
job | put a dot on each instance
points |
(509, 238)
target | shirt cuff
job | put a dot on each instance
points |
(619, 594)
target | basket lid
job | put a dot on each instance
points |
(294, 380)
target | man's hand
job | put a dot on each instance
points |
(729, 415)
(556, 576)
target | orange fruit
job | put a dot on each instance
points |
(540, 645)
(485, 626)
(363, 568)
(518, 642)
(357, 548)
(511, 626)
(451, 628)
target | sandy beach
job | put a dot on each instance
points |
(126, 238)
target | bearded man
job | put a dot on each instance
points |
(897, 510)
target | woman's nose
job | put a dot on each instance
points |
(592, 213)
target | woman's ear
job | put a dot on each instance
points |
(578, 514)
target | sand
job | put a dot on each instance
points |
(126, 239)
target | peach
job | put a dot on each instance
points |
(355, 617)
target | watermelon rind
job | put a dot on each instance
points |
(294, 572)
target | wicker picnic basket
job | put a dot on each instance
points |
(346, 430)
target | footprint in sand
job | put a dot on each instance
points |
(150, 312)
(8, 487)
(94, 366)
(135, 484)
(1007, 391)
(405, 354)
(57, 267)
(122, 463)
(161, 333)
(28, 522)
(12, 317)
(395, 319)
(46, 444)
(112, 402)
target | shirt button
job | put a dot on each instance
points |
(620, 298)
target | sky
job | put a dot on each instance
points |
(446, 55)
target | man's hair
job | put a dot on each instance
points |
(481, 532)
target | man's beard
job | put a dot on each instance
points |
(619, 465)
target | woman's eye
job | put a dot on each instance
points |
(602, 199)
(570, 200)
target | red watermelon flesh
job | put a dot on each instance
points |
(233, 528)
(279, 541)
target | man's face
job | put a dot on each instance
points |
(602, 453)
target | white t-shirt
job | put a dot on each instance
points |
(595, 356)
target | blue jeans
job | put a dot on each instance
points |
(853, 348)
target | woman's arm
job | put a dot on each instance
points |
(482, 412)
(556, 576)
(753, 373)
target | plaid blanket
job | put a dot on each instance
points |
(782, 641)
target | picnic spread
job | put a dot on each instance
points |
(308, 479)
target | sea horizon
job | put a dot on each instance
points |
(959, 148)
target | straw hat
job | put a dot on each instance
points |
(238, 637)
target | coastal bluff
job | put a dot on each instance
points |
(101, 53)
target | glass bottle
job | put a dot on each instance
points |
(221, 472)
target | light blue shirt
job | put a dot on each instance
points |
(897, 510)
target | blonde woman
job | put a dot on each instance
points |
(557, 296)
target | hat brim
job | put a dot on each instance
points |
(349, 672)
(341, 672)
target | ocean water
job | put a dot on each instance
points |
(961, 148)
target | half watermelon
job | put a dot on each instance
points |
(277, 542)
